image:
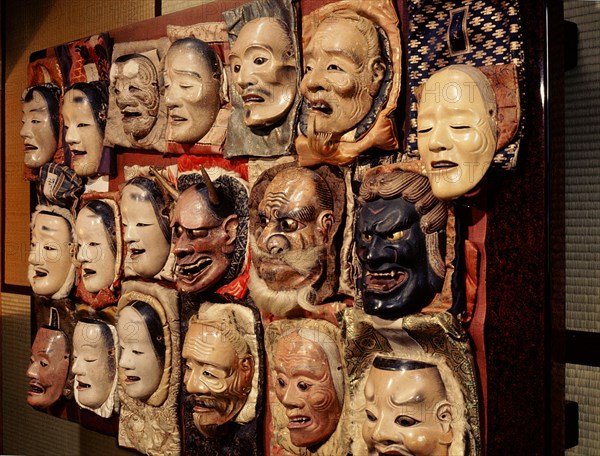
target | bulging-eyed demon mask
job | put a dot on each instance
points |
(294, 219)
(400, 242)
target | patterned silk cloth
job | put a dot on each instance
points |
(482, 33)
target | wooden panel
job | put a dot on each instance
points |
(524, 326)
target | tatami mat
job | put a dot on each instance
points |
(582, 218)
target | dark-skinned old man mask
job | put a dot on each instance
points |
(49, 364)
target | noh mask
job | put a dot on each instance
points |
(295, 214)
(400, 243)
(407, 411)
(41, 124)
(49, 364)
(456, 130)
(193, 92)
(84, 113)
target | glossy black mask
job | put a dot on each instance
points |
(396, 279)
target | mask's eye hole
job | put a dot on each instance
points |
(396, 236)
(370, 416)
(406, 421)
(289, 225)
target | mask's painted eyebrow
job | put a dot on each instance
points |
(47, 228)
(304, 214)
(40, 109)
(188, 73)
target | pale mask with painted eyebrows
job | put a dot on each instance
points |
(93, 365)
(406, 413)
(37, 132)
(264, 71)
(192, 95)
(139, 364)
(455, 134)
(49, 255)
(94, 252)
(341, 77)
(147, 247)
(82, 133)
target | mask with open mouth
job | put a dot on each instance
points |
(343, 73)
(48, 367)
(142, 349)
(397, 274)
(40, 124)
(407, 411)
(304, 384)
(49, 258)
(203, 241)
(456, 129)
(218, 374)
(193, 77)
(94, 363)
(292, 229)
(263, 64)
(146, 229)
(135, 84)
(84, 116)
(96, 240)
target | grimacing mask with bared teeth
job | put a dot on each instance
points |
(48, 368)
(402, 269)
(203, 240)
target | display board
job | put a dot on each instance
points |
(245, 241)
